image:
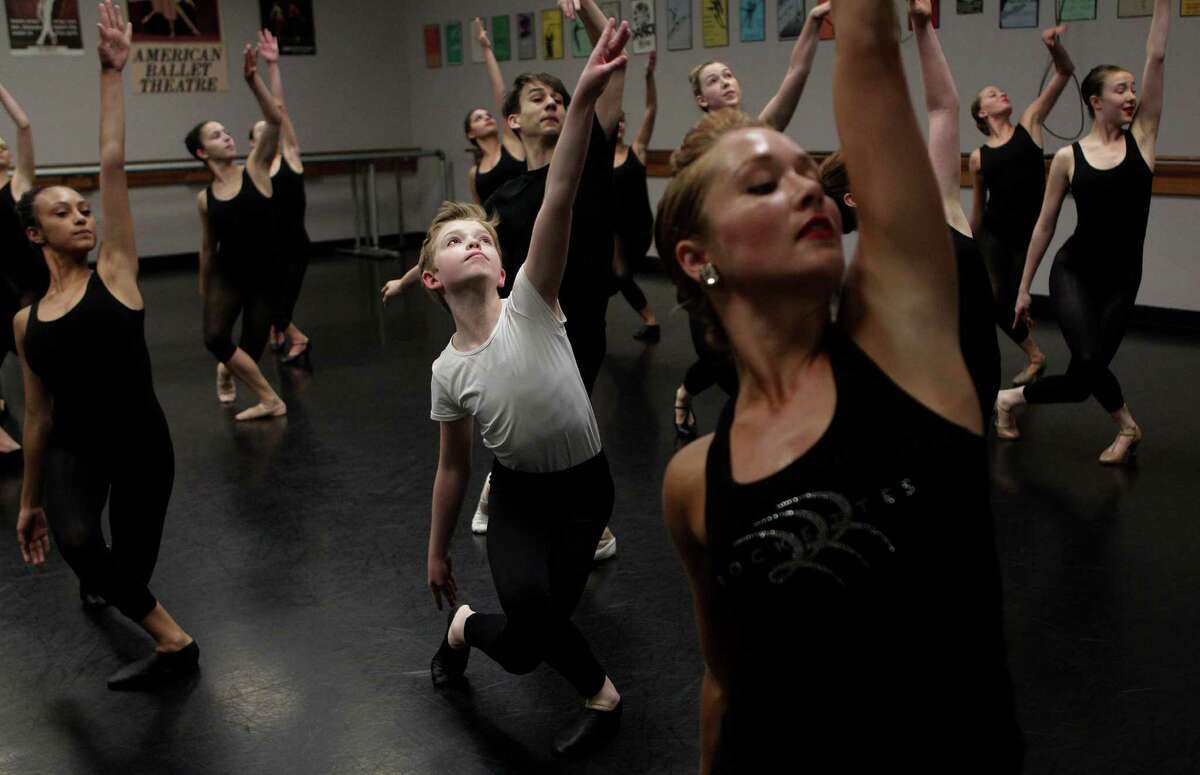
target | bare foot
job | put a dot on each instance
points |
(226, 387)
(265, 410)
(8, 443)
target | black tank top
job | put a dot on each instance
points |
(635, 219)
(861, 592)
(509, 167)
(94, 363)
(976, 325)
(1112, 207)
(22, 265)
(1014, 176)
(291, 202)
(245, 232)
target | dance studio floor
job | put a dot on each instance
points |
(294, 553)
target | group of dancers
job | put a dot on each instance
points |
(847, 594)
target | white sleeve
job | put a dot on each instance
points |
(524, 300)
(445, 407)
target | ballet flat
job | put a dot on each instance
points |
(1110, 459)
(448, 666)
(1030, 374)
(1005, 432)
(587, 730)
(156, 669)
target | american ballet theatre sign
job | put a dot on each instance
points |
(177, 47)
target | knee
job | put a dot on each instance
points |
(220, 344)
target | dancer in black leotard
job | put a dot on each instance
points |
(844, 497)
(1009, 173)
(238, 255)
(23, 273)
(500, 157)
(291, 202)
(83, 346)
(634, 218)
(1096, 274)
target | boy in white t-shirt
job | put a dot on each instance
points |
(509, 367)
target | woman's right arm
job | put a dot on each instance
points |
(510, 141)
(1034, 117)
(25, 169)
(207, 243)
(32, 535)
(1057, 184)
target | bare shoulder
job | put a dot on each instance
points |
(684, 488)
(20, 321)
(976, 160)
(202, 200)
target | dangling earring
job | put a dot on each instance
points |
(709, 276)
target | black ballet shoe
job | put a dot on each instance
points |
(156, 669)
(302, 359)
(448, 666)
(649, 333)
(90, 600)
(587, 730)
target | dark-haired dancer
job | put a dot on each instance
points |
(83, 346)
(290, 201)
(238, 254)
(1096, 274)
(1009, 173)
(552, 492)
(500, 157)
(843, 499)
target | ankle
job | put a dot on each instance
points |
(457, 635)
(175, 641)
(608, 698)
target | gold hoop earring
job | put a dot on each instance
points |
(709, 276)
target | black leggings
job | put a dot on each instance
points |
(714, 367)
(1005, 265)
(542, 534)
(137, 487)
(1093, 309)
(294, 259)
(225, 299)
(589, 343)
(626, 284)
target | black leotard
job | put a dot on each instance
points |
(1096, 276)
(509, 167)
(860, 592)
(976, 331)
(291, 202)
(634, 226)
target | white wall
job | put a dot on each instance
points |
(979, 52)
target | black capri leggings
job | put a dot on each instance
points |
(294, 262)
(541, 539)
(137, 487)
(228, 297)
(1005, 263)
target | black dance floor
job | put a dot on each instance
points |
(294, 553)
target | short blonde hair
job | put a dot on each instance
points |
(447, 213)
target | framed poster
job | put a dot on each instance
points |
(753, 20)
(44, 27)
(1077, 10)
(581, 44)
(1018, 14)
(552, 34)
(454, 52)
(966, 7)
(526, 36)
(642, 17)
(679, 25)
(501, 38)
(433, 45)
(292, 24)
(790, 15)
(1189, 7)
(178, 47)
(1130, 9)
(715, 23)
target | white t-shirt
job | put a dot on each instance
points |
(522, 386)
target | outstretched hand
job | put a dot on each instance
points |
(481, 33)
(249, 62)
(268, 46)
(607, 57)
(33, 536)
(820, 11)
(115, 36)
(570, 8)
(651, 64)
(1050, 37)
(920, 11)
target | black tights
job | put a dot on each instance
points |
(137, 487)
(1005, 264)
(713, 367)
(295, 264)
(225, 299)
(626, 284)
(541, 537)
(1093, 309)
(589, 343)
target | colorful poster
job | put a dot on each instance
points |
(526, 36)
(44, 27)
(753, 16)
(1129, 9)
(177, 47)
(790, 16)
(1018, 14)
(1077, 10)
(716, 23)
(292, 23)
(966, 7)
(454, 52)
(581, 44)
(642, 24)
(1189, 7)
(476, 46)
(552, 34)
(501, 38)
(679, 25)
(433, 45)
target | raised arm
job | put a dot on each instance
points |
(268, 48)
(1145, 123)
(608, 105)
(779, 111)
(510, 141)
(258, 164)
(547, 257)
(1034, 117)
(646, 130)
(118, 261)
(449, 487)
(33, 535)
(22, 179)
(1057, 184)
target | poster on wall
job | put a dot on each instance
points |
(177, 47)
(552, 34)
(501, 38)
(679, 25)
(790, 17)
(753, 20)
(433, 45)
(44, 27)
(1018, 14)
(1130, 9)
(642, 24)
(966, 7)
(1077, 10)
(526, 36)
(476, 46)
(292, 24)
(454, 52)
(1189, 7)
(611, 10)
(715, 23)
(581, 44)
